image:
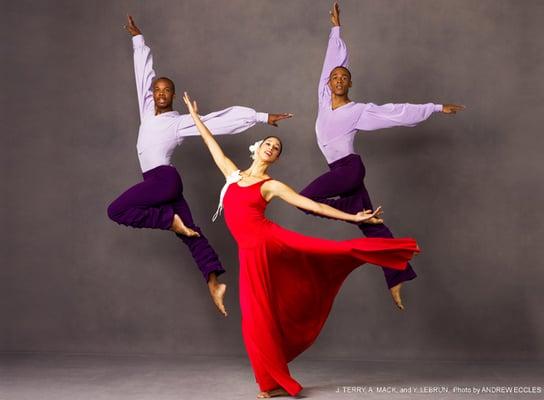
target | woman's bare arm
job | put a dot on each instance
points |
(275, 188)
(223, 162)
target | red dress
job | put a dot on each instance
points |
(288, 282)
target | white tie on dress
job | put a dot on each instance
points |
(232, 178)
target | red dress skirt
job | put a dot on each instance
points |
(288, 282)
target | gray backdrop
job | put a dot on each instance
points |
(468, 187)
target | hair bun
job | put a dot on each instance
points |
(254, 147)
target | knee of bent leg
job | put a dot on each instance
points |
(305, 192)
(114, 211)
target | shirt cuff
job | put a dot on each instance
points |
(335, 31)
(138, 41)
(262, 117)
(438, 108)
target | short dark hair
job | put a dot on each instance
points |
(164, 78)
(275, 137)
(344, 68)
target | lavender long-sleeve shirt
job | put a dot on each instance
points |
(336, 128)
(159, 135)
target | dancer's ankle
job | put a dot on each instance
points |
(212, 279)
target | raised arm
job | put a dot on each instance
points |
(404, 114)
(223, 162)
(278, 189)
(336, 55)
(143, 69)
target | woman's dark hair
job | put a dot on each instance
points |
(275, 137)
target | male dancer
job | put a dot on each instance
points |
(338, 120)
(158, 201)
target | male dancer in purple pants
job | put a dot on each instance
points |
(338, 120)
(158, 201)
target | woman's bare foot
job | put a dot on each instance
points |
(179, 227)
(217, 291)
(272, 393)
(395, 293)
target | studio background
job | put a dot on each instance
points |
(468, 187)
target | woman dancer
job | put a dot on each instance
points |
(288, 281)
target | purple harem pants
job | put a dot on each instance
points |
(153, 203)
(346, 180)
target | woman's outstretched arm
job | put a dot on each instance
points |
(275, 188)
(223, 162)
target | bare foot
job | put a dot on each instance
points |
(371, 221)
(179, 227)
(374, 221)
(217, 291)
(272, 393)
(395, 292)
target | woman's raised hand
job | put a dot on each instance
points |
(369, 216)
(191, 106)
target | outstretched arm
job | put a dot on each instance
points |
(229, 121)
(223, 162)
(405, 114)
(336, 55)
(278, 189)
(143, 69)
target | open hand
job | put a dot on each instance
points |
(131, 27)
(335, 14)
(452, 108)
(369, 216)
(273, 119)
(191, 106)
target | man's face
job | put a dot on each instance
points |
(339, 81)
(163, 94)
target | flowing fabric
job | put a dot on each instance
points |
(288, 282)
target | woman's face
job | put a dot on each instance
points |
(270, 149)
